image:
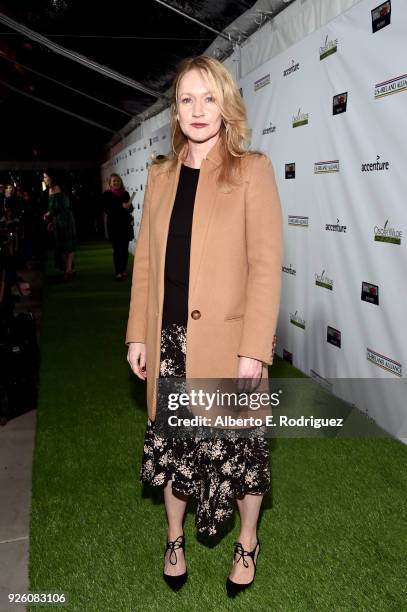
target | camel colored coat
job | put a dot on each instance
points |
(235, 270)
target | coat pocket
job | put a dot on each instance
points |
(234, 317)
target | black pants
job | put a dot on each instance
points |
(120, 254)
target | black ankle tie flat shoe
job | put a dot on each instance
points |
(175, 582)
(234, 588)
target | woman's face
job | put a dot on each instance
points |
(198, 114)
(9, 191)
(115, 182)
(46, 179)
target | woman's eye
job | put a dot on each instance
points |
(185, 99)
(211, 99)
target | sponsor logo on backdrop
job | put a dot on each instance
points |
(387, 234)
(333, 336)
(326, 167)
(293, 68)
(296, 320)
(300, 119)
(375, 166)
(370, 293)
(381, 16)
(339, 103)
(384, 362)
(395, 85)
(289, 270)
(287, 356)
(262, 82)
(328, 47)
(321, 380)
(270, 129)
(298, 221)
(290, 171)
(321, 280)
(336, 227)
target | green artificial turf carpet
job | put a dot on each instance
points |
(333, 530)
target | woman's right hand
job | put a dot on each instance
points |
(136, 356)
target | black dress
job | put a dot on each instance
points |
(119, 226)
(213, 470)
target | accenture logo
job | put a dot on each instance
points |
(289, 270)
(376, 166)
(269, 130)
(293, 68)
(335, 227)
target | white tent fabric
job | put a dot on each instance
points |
(328, 109)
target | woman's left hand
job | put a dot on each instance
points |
(126, 205)
(249, 374)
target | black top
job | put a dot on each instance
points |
(176, 275)
(119, 219)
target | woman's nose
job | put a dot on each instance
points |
(197, 109)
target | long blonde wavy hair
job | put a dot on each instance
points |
(234, 133)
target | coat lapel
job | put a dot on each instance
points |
(205, 201)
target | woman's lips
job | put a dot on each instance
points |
(199, 125)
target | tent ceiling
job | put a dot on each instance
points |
(141, 40)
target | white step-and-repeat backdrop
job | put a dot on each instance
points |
(331, 113)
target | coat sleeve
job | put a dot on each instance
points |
(137, 322)
(264, 244)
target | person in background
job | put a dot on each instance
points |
(118, 209)
(61, 222)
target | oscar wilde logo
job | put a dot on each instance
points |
(384, 362)
(333, 336)
(270, 129)
(329, 47)
(393, 86)
(294, 66)
(296, 320)
(300, 119)
(335, 227)
(289, 270)
(325, 167)
(298, 221)
(375, 166)
(323, 281)
(339, 103)
(370, 293)
(290, 171)
(387, 234)
(381, 16)
(262, 82)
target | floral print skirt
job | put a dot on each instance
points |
(213, 470)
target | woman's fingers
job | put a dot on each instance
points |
(136, 357)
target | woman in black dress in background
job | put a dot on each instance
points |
(118, 208)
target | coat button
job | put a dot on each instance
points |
(195, 314)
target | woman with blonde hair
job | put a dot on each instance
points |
(204, 305)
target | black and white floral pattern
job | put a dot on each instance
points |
(213, 470)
